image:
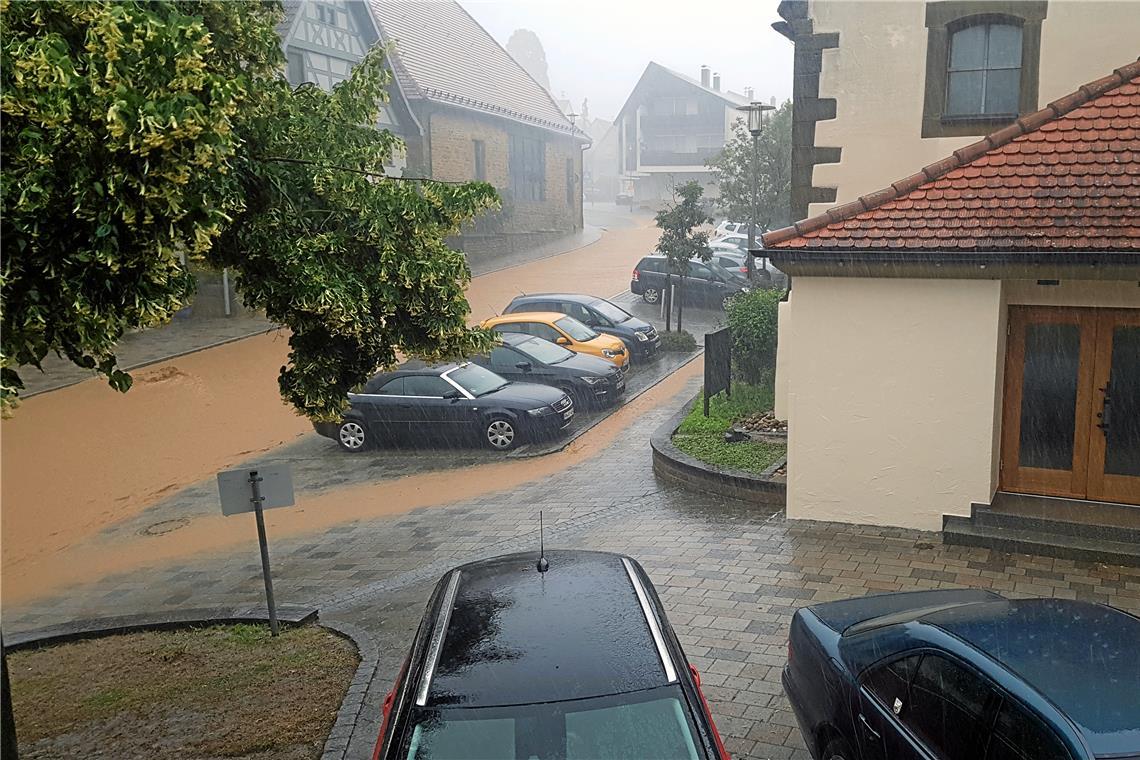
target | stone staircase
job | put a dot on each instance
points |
(1091, 531)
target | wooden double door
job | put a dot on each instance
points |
(1071, 410)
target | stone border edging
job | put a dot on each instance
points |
(340, 737)
(675, 466)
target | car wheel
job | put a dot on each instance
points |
(837, 749)
(651, 295)
(500, 434)
(352, 435)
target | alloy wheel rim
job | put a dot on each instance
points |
(500, 434)
(651, 295)
(352, 435)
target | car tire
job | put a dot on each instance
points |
(500, 434)
(651, 295)
(352, 436)
(837, 749)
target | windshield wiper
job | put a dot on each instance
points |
(492, 390)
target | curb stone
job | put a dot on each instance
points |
(91, 628)
(675, 466)
(351, 707)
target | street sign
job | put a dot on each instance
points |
(276, 487)
(256, 489)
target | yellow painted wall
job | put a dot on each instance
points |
(877, 76)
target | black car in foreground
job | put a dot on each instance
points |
(588, 380)
(574, 662)
(706, 283)
(965, 675)
(449, 402)
(640, 337)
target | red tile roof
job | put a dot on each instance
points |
(1066, 178)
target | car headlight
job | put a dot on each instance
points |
(592, 380)
(542, 411)
(609, 353)
(746, 290)
(641, 336)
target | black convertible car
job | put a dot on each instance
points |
(569, 656)
(449, 401)
(589, 380)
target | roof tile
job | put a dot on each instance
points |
(1066, 177)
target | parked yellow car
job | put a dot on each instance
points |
(565, 331)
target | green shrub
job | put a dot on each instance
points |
(752, 318)
(682, 341)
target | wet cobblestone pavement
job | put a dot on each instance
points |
(730, 574)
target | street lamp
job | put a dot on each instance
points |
(755, 111)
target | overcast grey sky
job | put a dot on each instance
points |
(597, 49)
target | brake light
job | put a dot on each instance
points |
(636, 275)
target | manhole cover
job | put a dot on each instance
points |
(166, 526)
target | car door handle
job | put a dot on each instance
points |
(867, 727)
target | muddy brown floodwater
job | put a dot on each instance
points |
(82, 458)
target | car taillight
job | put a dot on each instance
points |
(636, 275)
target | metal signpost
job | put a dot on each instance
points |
(256, 489)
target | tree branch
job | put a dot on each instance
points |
(366, 173)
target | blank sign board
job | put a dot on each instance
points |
(236, 493)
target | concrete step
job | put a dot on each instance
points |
(965, 532)
(1069, 510)
(981, 515)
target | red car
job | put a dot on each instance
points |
(575, 660)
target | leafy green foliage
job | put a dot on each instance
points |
(724, 411)
(137, 134)
(733, 169)
(752, 319)
(680, 239)
(703, 437)
(680, 341)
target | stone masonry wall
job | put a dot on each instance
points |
(452, 151)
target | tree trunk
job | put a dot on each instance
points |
(681, 304)
(8, 749)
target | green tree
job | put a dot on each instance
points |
(733, 170)
(680, 239)
(136, 134)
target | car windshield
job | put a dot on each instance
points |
(647, 724)
(611, 312)
(476, 380)
(543, 351)
(575, 329)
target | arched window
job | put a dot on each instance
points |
(983, 58)
(983, 76)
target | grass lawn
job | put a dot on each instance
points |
(703, 437)
(227, 691)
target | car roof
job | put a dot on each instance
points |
(515, 338)
(571, 297)
(1080, 656)
(410, 367)
(526, 316)
(517, 636)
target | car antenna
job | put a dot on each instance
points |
(543, 565)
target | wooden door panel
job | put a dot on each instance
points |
(1059, 346)
(1114, 453)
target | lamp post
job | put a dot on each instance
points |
(755, 111)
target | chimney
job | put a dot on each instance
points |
(704, 76)
(772, 101)
(748, 94)
(716, 82)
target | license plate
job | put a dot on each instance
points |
(568, 414)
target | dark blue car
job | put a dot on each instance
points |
(965, 675)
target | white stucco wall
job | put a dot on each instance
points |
(890, 388)
(877, 76)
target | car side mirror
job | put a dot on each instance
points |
(563, 341)
(524, 366)
(452, 395)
